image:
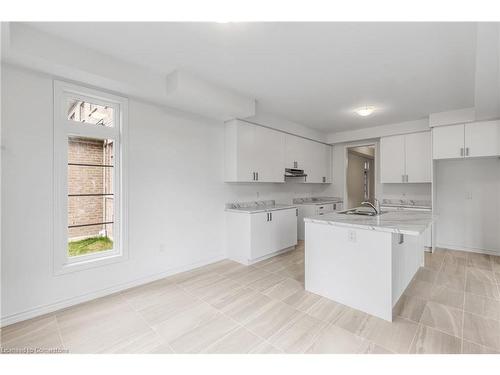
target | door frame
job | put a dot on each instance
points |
(375, 143)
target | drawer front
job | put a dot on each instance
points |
(324, 208)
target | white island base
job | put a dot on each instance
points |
(365, 269)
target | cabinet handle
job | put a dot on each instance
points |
(406, 178)
(257, 174)
(461, 151)
(267, 215)
(253, 179)
(402, 178)
(296, 212)
(271, 216)
(324, 179)
(467, 151)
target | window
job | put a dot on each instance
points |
(89, 143)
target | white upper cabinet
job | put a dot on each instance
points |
(313, 157)
(478, 139)
(392, 159)
(269, 155)
(418, 157)
(405, 158)
(448, 142)
(259, 154)
(295, 151)
(328, 155)
(482, 139)
(253, 153)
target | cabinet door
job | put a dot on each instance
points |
(295, 151)
(448, 142)
(324, 209)
(260, 235)
(269, 155)
(482, 139)
(392, 159)
(328, 163)
(314, 162)
(418, 157)
(245, 151)
(283, 229)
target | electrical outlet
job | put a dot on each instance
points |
(468, 195)
(351, 235)
(162, 248)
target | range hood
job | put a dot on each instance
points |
(292, 172)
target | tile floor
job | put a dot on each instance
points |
(451, 306)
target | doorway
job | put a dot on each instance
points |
(360, 175)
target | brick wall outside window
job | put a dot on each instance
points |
(90, 180)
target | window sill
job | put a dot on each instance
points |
(88, 263)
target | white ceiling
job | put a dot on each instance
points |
(311, 73)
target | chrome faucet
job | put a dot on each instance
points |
(375, 207)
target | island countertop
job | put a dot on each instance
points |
(411, 223)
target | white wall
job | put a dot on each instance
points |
(468, 204)
(176, 199)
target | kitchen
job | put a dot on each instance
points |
(250, 198)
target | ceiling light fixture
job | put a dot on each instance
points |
(365, 111)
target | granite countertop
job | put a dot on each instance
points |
(257, 206)
(411, 223)
(317, 200)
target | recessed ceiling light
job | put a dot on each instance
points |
(365, 111)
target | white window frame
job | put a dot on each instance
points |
(64, 128)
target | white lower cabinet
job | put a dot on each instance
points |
(308, 210)
(255, 236)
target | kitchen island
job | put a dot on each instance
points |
(365, 262)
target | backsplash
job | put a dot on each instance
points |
(282, 193)
(251, 204)
(406, 192)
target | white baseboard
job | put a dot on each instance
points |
(247, 262)
(46, 309)
(470, 249)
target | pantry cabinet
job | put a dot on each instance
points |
(406, 158)
(478, 139)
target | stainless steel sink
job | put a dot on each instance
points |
(355, 211)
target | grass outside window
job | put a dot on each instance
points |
(89, 245)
